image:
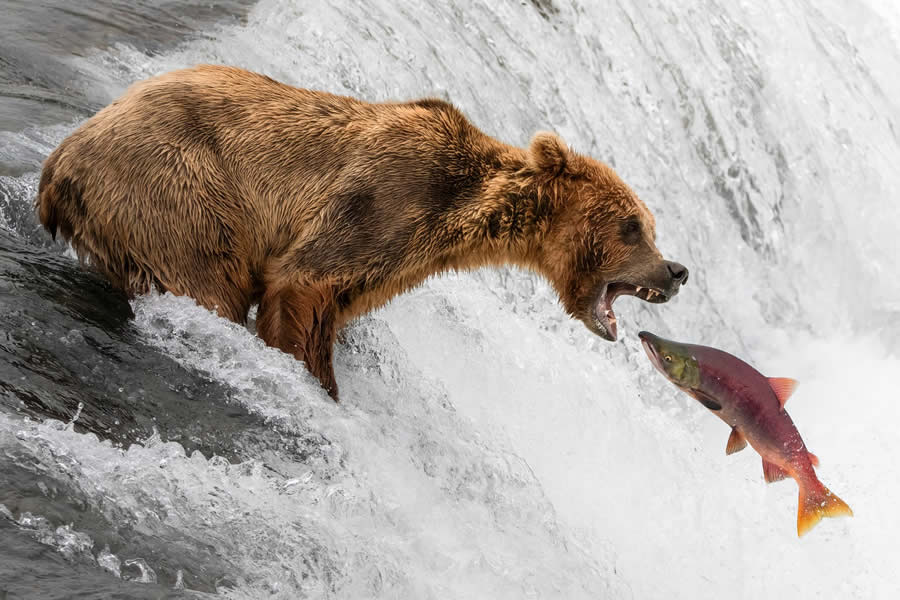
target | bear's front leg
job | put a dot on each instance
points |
(300, 319)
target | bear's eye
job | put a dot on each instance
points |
(631, 231)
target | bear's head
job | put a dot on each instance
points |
(600, 243)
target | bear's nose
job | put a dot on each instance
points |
(678, 272)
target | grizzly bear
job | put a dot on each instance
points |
(235, 189)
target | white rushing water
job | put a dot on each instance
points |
(488, 447)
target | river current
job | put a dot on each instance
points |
(486, 446)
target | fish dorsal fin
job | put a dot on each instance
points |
(736, 441)
(783, 388)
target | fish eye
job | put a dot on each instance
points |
(667, 358)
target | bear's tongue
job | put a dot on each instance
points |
(604, 316)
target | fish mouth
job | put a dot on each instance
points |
(650, 349)
(603, 317)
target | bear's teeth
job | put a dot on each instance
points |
(638, 290)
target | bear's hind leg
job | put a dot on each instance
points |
(300, 320)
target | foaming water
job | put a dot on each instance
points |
(380, 496)
(486, 445)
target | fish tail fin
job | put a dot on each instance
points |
(816, 502)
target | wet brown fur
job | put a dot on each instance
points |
(234, 189)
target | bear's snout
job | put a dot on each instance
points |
(679, 274)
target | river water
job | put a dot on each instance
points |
(486, 446)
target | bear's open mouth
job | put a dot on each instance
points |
(605, 318)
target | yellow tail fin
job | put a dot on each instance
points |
(818, 503)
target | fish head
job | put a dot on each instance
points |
(672, 359)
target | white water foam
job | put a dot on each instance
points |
(399, 497)
(487, 446)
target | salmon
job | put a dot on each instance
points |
(753, 406)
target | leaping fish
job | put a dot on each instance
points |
(753, 406)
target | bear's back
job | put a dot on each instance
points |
(216, 172)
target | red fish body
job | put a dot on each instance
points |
(753, 406)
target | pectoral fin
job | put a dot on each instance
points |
(706, 400)
(773, 472)
(736, 442)
(783, 388)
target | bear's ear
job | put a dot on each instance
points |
(548, 152)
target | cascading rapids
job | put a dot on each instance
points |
(489, 447)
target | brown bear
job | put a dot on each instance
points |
(234, 189)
